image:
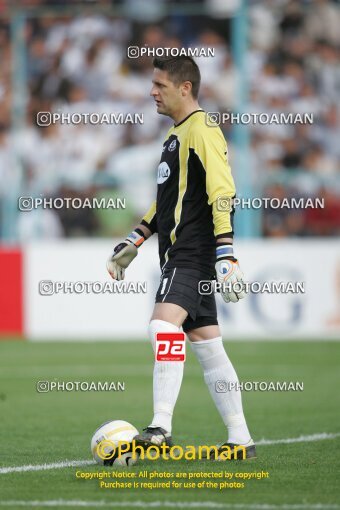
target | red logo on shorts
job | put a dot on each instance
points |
(170, 347)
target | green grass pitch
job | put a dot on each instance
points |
(39, 428)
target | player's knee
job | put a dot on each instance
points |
(204, 333)
(210, 353)
(159, 326)
(169, 312)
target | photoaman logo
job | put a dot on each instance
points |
(175, 452)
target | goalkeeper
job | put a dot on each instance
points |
(192, 216)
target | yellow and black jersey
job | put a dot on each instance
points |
(192, 176)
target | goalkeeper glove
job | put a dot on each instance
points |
(124, 253)
(228, 274)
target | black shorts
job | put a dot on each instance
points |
(180, 286)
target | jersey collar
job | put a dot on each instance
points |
(186, 118)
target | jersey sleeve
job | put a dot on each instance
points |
(211, 148)
(149, 220)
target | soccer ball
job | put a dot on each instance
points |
(106, 440)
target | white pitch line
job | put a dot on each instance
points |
(300, 439)
(43, 467)
(169, 504)
(78, 463)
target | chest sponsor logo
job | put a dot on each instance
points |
(163, 172)
(172, 146)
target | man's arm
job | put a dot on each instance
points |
(146, 231)
(149, 220)
(211, 148)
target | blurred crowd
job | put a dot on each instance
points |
(79, 64)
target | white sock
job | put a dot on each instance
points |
(218, 374)
(167, 380)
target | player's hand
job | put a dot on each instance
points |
(230, 276)
(123, 254)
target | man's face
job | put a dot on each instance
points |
(167, 95)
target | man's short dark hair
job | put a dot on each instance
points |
(180, 69)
